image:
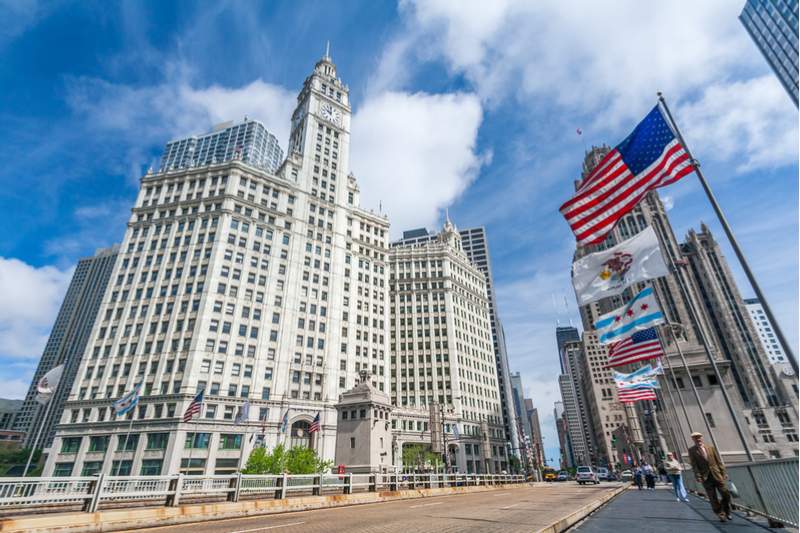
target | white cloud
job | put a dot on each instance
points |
(415, 153)
(605, 63)
(30, 298)
(14, 389)
(750, 122)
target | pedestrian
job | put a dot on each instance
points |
(649, 476)
(637, 477)
(710, 471)
(662, 473)
(673, 468)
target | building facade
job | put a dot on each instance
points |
(772, 24)
(537, 442)
(248, 141)
(443, 367)
(770, 403)
(251, 286)
(66, 344)
(9, 409)
(475, 244)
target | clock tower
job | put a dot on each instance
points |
(319, 143)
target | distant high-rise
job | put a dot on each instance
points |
(772, 24)
(249, 141)
(67, 342)
(565, 447)
(476, 245)
(766, 333)
(536, 431)
(565, 334)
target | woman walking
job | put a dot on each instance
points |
(649, 476)
(637, 477)
(674, 468)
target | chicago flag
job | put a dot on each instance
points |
(639, 314)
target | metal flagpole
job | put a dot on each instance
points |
(677, 391)
(734, 243)
(125, 446)
(38, 435)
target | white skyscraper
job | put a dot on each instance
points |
(252, 286)
(766, 333)
(442, 354)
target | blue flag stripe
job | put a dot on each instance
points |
(614, 333)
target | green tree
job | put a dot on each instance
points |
(297, 460)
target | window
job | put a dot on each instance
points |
(151, 467)
(352, 442)
(197, 440)
(230, 441)
(157, 441)
(127, 444)
(122, 468)
(98, 444)
(91, 468)
(71, 445)
(63, 469)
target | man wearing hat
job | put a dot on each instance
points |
(710, 471)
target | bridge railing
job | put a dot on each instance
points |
(767, 488)
(91, 493)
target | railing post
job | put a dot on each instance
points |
(282, 481)
(317, 489)
(95, 487)
(175, 488)
(373, 483)
(393, 482)
(235, 485)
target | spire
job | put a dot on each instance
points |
(328, 50)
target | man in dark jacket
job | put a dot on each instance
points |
(710, 471)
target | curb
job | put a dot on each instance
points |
(576, 516)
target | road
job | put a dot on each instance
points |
(520, 509)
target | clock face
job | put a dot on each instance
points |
(331, 114)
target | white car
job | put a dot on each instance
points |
(585, 474)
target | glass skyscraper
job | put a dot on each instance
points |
(773, 26)
(248, 141)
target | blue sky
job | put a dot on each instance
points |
(471, 106)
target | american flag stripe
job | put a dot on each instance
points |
(635, 395)
(194, 407)
(649, 158)
(602, 210)
(640, 346)
(314, 427)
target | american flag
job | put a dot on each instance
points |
(194, 407)
(636, 394)
(640, 346)
(314, 427)
(649, 158)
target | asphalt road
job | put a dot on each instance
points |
(520, 509)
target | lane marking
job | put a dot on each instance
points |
(512, 505)
(267, 527)
(500, 494)
(425, 505)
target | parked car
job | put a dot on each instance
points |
(563, 476)
(626, 475)
(585, 475)
(603, 474)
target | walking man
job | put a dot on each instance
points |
(674, 468)
(710, 471)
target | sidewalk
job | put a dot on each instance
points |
(644, 511)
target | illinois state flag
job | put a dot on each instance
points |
(640, 313)
(609, 272)
(649, 158)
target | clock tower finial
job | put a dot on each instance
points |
(328, 50)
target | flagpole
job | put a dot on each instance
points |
(38, 435)
(732, 239)
(125, 446)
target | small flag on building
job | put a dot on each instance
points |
(243, 414)
(128, 401)
(314, 427)
(640, 346)
(640, 313)
(456, 434)
(284, 422)
(48, 384)
(194, 407)
(649, 158)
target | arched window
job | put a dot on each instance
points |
(299, 435)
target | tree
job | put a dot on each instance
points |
(297, 460)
